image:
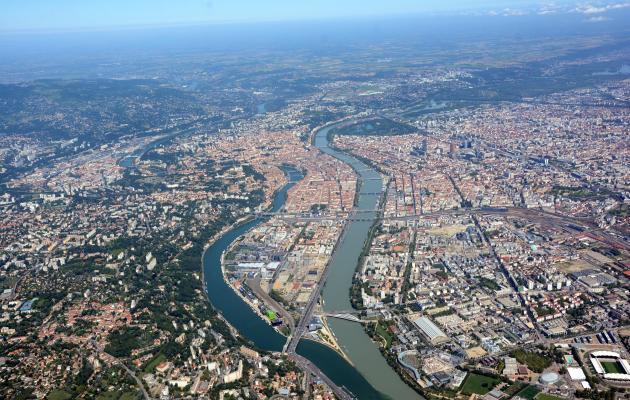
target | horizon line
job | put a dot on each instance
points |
(209, 23)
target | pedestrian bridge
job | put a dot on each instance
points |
(345, 316)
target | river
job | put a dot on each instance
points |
(370, 377)
(130, 160)
(357, 345)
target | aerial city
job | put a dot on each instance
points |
(332, 200)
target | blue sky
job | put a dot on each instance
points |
(43, 15)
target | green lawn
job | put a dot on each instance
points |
(479, 384)
(514, 388)
(529, 392)
(130, 396)
(490, 284)
(150, 367)
(612, 367)
(108, 396)
(544, 396)
(534, 361)
(117, 251)
(57, 394)
(384, 333)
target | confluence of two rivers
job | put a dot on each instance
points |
(370, 377)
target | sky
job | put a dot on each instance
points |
(68, 15)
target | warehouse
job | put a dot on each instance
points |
(430, 330)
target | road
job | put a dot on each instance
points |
(502, 268)
(307, 314)
(570, 224)
(287, 318)
(533, 214)
(114, 360)
(306, 365)
(138, 381)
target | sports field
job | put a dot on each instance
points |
(479, 384)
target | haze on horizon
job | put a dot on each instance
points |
(71, 15)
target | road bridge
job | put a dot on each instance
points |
(306, 365)
(293, 340)
(535, 215)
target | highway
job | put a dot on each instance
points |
(312, 302)
(293, 340)
(570, 224)
(306, 365)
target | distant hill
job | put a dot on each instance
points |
(65, 109)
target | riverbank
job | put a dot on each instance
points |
(369, 376)
(268, 205)
(208, 245)
(332, 340)
(352, 338)
(325, 336)
(242, 222)
(245, 299)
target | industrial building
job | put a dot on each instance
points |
(430, 330)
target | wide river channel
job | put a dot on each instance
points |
(369, 376)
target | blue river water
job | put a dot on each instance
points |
(251, 326)
(369, 376)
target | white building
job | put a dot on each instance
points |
(430, 330)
